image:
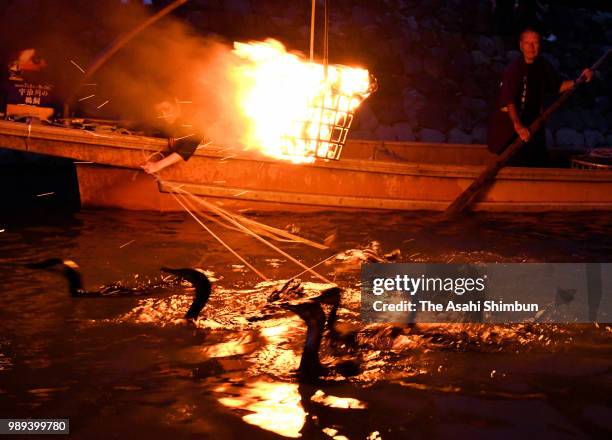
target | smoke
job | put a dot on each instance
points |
(170, 61)
(167, 61)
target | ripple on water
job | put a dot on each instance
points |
(241, 354)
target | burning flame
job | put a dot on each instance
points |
(294, 109)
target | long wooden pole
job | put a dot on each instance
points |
(107, 53)
(467, 197)
(312, 29)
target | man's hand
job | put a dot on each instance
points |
(154, 167)
(151, 167)
(587, 74)
(522, 131)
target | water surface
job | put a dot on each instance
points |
(131, 366)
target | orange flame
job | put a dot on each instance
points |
(294, 109)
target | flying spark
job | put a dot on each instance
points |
(203, 145)
(77, 66)
(87, 97)
(126, 244)
(184, 137)
(104, 103)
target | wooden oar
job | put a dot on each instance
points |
(468, 196)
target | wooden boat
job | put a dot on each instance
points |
(370, 175)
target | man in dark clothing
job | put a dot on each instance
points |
(183, 139)
(525, 83)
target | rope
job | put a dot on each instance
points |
(208, 217)
(274, 231)
(261, 231)
(312, 267)
(219, 239)
(228, 217)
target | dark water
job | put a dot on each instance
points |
(120, 367)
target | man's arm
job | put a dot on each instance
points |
(521, 130)
(568, 84)
(154, 167)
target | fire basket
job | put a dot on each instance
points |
(323, 131)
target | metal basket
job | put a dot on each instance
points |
(323, 132)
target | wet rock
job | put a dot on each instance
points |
(573, 119)
(595, 120)
(474, 105)
(411, 23)
(429, 38)
(412, 100)
(462, 118)
(361, 16)
(550, 140)
(365, 119)
(552, 60)
(486, 45)
(457, 136)
(389, 110)
(512, 54)
(594, 139)
(240, 6)
(410, 37)
(282, 22)
(410, 63)
(429, 23)
(480, 58)
(479, 134)
(500, 48)
(463, 62)
(471, 87)
(362, 135)
(602, 103)
(433, 116)
(385, 133)
(498, 69)
(569, 138)
(403, 132)
(430, 135)
(433, 66)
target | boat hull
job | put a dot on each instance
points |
(370, 176)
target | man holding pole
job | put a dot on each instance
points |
(525, 83)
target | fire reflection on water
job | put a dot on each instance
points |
(232, 374)
(275, 407)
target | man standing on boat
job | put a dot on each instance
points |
(183, 139)
(525, 83)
